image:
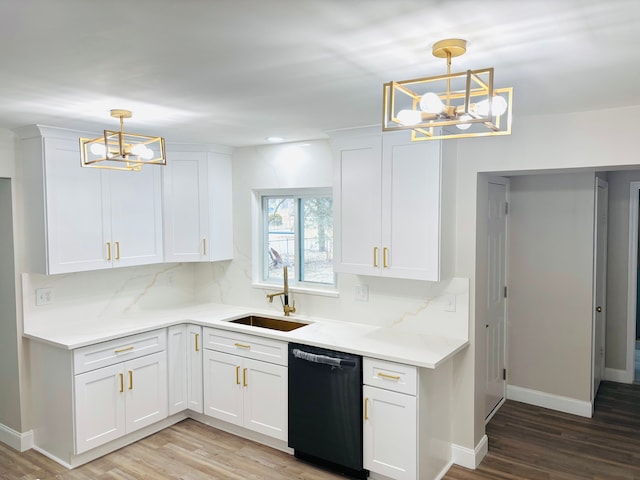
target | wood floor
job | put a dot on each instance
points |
(525, 442)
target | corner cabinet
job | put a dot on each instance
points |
(390, 215)
(80, 219)
(185, 368)
(197, 209)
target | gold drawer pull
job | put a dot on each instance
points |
(375, 257)
(389, 377)
(108, 251)
(121, 383)
(242, 345)
(366, 410)
(238, 375)
(385, 252)
(125, 349)
(244, 377)
(117, 250)
(197, 347)
(130, 380)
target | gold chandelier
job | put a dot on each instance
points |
(455, 105)
(118, 150)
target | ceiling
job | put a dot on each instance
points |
(233, 72)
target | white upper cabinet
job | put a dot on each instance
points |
(388, 207)
(197, 206)
(80, 219)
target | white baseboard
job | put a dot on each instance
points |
(465, 457)
(620, 376)
(548, 400)
(16, 440)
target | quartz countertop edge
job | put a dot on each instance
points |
(64, 329)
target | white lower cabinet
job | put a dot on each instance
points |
(390, 439)
(244, 391)
(119, 399)
(185, 368)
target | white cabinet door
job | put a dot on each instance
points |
(99, 407)
(135, 205)
(411, 209)
(197, 207)
(145, 390)
(76, 224)
(223, 379)
(194, 368)
(185, 207)
(357, 205)
(266, 398)
(390, 433)
(177, 361)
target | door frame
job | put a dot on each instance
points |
(632, 281)
(599, 237)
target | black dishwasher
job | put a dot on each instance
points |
(325, 408)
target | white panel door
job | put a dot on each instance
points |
(496, 302)
(599, 283)
(357, 205)
(220, 219)
(185, 207)
(265, 398)
(390, 433)
(223, 386)
(146, 390)
(99, 407)
(177, 368)
(194, 368)
(77, 225)
(411, 209)
(136, 216)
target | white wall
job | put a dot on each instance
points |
(539, 143)
(550, 283)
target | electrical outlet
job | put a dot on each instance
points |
(44, 296)
(362, 293)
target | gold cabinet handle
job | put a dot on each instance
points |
(242, 345)
(366, 410)
(244, 378)
(375, 257)
(121, 382)
(385, 252)
(204, 246)
(197, 347)
(108, 251)
(238, 375)
(389, 377)
(125, 349)
(130, 380)
(117, 250)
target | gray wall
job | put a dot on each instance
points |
(550, 283)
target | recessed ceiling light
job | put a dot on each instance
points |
(275, 139)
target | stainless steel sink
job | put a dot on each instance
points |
(270, 323)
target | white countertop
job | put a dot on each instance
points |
(69, 329)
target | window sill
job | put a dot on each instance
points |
(321, 291)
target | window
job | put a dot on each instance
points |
(297, 231)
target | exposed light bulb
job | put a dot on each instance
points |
(498, 107)
(142, 151)
(98, 149)
(464, 118)
(409, 117)
(431, 103)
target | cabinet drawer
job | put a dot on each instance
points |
(250, 346)
(119, 350)
(389, 375)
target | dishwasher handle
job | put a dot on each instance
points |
(324, 359)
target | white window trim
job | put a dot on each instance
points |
(257, 244)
